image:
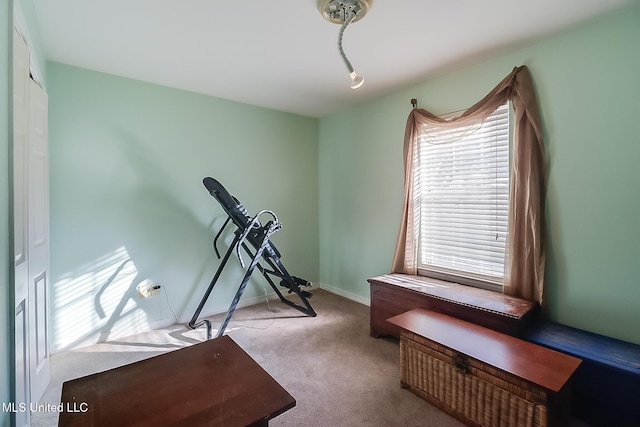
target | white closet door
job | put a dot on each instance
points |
(20, 221)
(38, 234)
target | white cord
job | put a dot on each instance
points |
(273, 315)
(169, 305)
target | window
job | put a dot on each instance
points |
(462, 195)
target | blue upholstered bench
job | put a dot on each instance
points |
(606, 387)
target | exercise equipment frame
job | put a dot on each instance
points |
(250, 232)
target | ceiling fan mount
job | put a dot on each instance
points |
(337, 11)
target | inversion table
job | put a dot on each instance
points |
(253, 238)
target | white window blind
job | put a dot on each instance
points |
(463, 185)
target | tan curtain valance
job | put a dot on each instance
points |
(524, 270)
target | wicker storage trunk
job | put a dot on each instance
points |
(482, 377)
(468, 388)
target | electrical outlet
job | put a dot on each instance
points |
(146, 290)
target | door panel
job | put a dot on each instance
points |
(20, 132)
(22, 366)
(38, 235)
(40, 299)
(20, 221)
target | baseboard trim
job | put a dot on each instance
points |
(345, 294)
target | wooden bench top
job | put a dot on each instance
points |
(482, 299)
(539, 365)
(607, 351)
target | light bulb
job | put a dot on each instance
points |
(356, 80)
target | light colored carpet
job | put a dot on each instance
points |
(337, 373)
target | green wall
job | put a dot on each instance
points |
(589, 94)
(127, 160)
(128, 206)
(6, 37)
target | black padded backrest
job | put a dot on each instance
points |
(237, 213)
(230, 204)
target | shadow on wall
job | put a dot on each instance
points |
(134, 219)
(96, 301)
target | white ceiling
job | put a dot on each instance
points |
(282, 54)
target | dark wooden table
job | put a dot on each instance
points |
(213, 383)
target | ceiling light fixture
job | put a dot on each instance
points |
(344, 12)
